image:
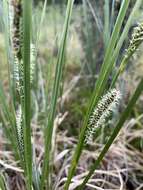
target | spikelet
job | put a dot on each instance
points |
(19, 123)
(18, 76)
(19, 71)
(137, 39)
(16, 72)
(103, 109)
(10, 16)
(32, 62)
(16, 26)
(21, 79)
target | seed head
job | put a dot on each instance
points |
(32, 62)
(16, 26)
(137, 39)
(103, 109)
(19, 123)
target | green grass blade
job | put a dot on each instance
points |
(27, 11)
(55, 92)
(41, 22)
(2, 183)
(11, 137)
(116, 131)
(93, 11)
(119, 71)
(8, 115)
(112, 15)
(98, 90)
(6, 28)
(5, 107)
(106, 31)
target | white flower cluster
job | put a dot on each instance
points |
(19, 121)
(19, 71)
(137, 39)
(32, 62)
(18, 76)
(103, 109)
(11, 17)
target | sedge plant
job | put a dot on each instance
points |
(100, 86)
(22, 55)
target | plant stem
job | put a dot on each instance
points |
(119, 71)
(27, 9)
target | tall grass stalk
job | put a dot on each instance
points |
(45, 181)
(41, 22)
(124, 62)
(27, 15)
(106, 30)
(112, 15)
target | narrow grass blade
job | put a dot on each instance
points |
(6, 29)
(41, 22)
(55, 92)
(98, 90)
(112, 15)
(5, 108)
(119, 71)
(27, 11)
(95, 16)
(2, 183)
(10, 118)
(9, 133)
(116, 131)
(106, 31)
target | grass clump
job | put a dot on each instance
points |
(28, 96)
